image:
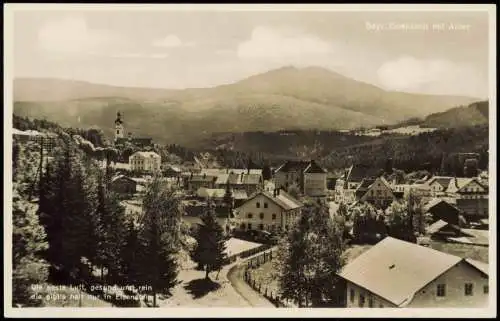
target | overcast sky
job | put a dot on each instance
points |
(414, 52)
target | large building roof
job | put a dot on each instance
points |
(357, 172)
(283, 199)
(293, 166)
(146, 154)
(395, 270)
(301, 167)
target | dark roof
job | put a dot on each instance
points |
(358, 172)
(364, 186)
(300, 166)
(293, 166)
(313, 167)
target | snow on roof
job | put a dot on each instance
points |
(146, 154)
(408, 266)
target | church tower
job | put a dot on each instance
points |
(119, 130)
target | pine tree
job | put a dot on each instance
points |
(79, 209)
(159, 238)
(210, 251)
(129, 255)
(51, 209)
(28, 243)
(111, 230)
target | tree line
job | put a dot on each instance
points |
(70, 228)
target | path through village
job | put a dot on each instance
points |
(229, 290)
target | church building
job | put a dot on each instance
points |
(121, 138)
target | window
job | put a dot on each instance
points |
(351, 295)
(441, 290)
(249, 226)
(370, 302)
(261, 215)
(274, 216)
(486, 289)
(249, 215)
(242, 226)
(117, 131)
(468, 289)
(257, 204)
(361, 300)
(265, 205)
(261, 226)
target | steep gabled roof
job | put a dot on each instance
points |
(444, 181)
(313, 167)
(395, 270)
(364, 186)
(293, 166)
(435, 201)
(481, 266)
(358, 172)
(283, 200)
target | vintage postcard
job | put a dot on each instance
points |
(250, 160)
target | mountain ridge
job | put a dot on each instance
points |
(284, 98)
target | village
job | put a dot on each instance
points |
(443, 264)
(256, 208)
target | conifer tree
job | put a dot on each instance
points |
(210, 251)
(159, 238)
(129, 255)
(111, 230)
(28, 243)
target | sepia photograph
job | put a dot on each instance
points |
(297, 160)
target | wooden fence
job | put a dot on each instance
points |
(269, 293)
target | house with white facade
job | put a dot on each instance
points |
(377, 191)
(471, 197)
(438, 185)
(396, 274)
(145, 162)
(271, 211)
